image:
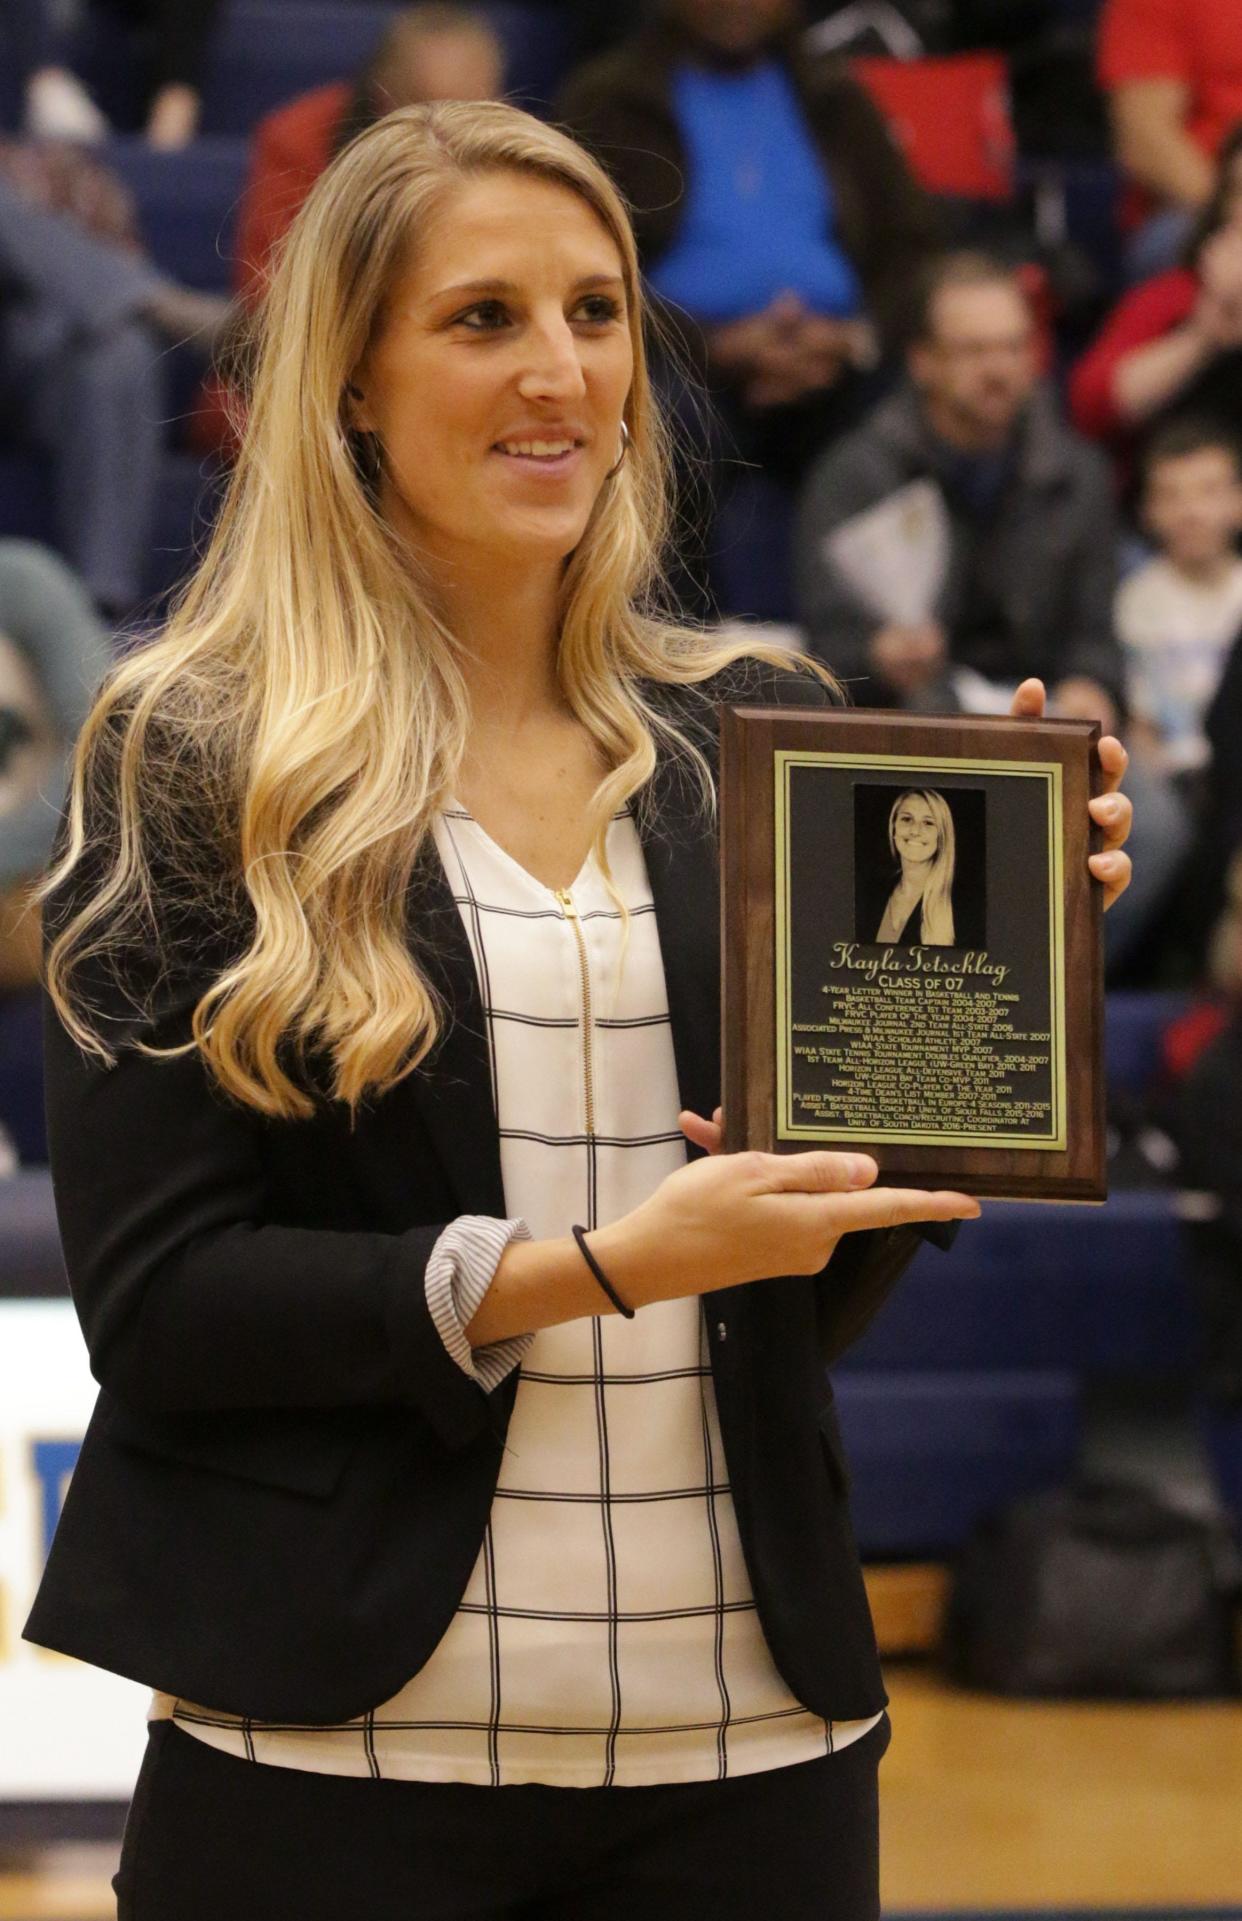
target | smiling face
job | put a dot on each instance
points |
(915, 834)
(498, 374)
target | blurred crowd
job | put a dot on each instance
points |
(948, 314)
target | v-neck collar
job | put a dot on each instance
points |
(454, 811)
(452, 1088)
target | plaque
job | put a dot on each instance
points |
(912, 946)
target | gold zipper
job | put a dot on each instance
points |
(571, 915)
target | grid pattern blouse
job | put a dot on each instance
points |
(608, 1635)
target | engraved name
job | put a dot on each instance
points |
(913, 960)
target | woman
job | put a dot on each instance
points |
(1174, 344)
(397, 849)
(921, 839)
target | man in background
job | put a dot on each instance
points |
(1019, 555)
(967, 479)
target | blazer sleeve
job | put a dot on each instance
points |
(190, 1295)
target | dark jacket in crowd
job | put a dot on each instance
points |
(620, 106)
(1030, 582)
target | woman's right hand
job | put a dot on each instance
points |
(730, 1218)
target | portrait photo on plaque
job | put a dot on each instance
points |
(920, 865)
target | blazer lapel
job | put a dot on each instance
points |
(685, 886)
(452, 1088)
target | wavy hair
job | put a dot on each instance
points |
(303, 715)
(936, 927)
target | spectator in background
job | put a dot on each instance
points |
(777, 222)
(1172, 71)
(1174, 344)
(85, 319)
(968, 478)
(429, 52)
(1178, 614)
(1025, 510)
(435, 51)
(171, 40)
(53, 654)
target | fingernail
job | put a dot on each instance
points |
(862, 1170)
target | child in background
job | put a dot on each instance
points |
(1178, 614)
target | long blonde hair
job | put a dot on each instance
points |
(936, 926)
(303, 714)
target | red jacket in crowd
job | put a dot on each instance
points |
(1146, 313)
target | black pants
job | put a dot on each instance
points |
(213, 1838)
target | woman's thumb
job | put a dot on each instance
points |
(818, 1172)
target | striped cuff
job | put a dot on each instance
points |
(459, 1273)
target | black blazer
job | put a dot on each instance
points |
(286, 1480)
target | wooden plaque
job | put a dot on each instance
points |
(912, 946)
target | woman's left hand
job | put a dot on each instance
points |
(1111, 810)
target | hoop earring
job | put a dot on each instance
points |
(625, 448)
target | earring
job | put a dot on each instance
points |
(625, 448)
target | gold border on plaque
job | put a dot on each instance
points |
(929, 766)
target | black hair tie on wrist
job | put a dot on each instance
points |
(579, 1234)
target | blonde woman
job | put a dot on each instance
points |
(921, 839)
(477, 1567)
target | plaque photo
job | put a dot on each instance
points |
(912, 946)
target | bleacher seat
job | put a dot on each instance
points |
(752, 550)
(10, 93)
(25, 495)
(952, 120)
(932, 1454)
(188, 486)
(187, 205)
(31, 1264)
(21, 1081)
(189, 490)
(1134, 1025)
(1098, 1290)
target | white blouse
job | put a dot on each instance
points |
(608, 1635)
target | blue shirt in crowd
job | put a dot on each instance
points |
(758, 218)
